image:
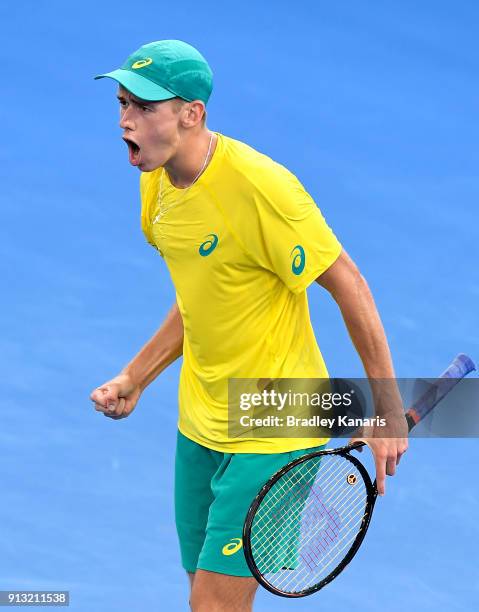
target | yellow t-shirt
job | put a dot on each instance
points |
(241, 245)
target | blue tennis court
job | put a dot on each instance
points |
(374, 107)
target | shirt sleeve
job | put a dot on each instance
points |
(291, 237)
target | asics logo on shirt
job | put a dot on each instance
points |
(232, 547)
(208, 246)
(299, 259)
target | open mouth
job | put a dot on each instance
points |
(133, 151)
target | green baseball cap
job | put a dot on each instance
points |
(165, 69)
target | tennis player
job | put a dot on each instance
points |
(242, 240)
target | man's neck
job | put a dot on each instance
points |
(191, 158)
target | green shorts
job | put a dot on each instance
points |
(213, 492)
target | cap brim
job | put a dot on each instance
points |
(138, 85)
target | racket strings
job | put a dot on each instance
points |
(307, 521)
(286, 494)
(304, 578)
(310, 555)
(314, 552)
(321, 545)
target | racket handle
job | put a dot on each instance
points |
(460, 367)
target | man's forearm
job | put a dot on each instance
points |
(365, 328)
(351, 292)
(159, 352)
(367, 334)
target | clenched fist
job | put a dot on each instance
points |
(116, 398)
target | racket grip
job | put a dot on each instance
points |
(460, 367)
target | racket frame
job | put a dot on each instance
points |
(371, 496)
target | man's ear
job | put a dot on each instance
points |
(192, 113)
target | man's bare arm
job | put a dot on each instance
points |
(350, 290)
(118, 397)
(159, 352)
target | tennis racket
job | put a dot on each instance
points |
(310, 518)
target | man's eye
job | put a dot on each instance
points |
(145, 108)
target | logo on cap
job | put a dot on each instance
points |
(142, 63)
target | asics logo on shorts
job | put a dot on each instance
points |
(232, 547)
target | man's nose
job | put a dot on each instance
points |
(126, 120)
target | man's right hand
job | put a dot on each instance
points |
(116, 398)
